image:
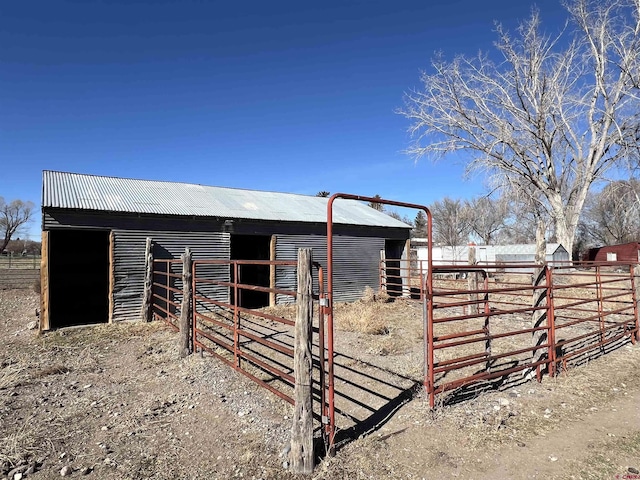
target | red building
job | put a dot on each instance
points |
(626, 252)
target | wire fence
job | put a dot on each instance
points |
(20, 262)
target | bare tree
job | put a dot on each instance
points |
(554, 114)
(397, 216)
(12, 216)
(487, 217)
(323, 193)
(613, 214)
(450, 223)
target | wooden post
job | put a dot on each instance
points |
(186, 346)
(302, 454)
(472, 281)
(272, 270)
(636, 274)
(112, 276)
(405, 269)
(44, 282)
(383, 272)
(147, 294)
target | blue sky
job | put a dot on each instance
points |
(281, 95)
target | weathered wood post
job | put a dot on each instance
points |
(302, 454)
(636, 275)
(147, 295)
(383, 272)
(539, 281)
(186, 346)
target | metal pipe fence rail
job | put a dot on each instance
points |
(257, 342)
(594, 308)
(489, 322)
(167, 291)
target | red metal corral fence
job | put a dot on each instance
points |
(594, 308)
(167, 291)
(257, 341)
(499, 324)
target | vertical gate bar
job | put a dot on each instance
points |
(600, 306)
(551, 324)
(236, 314)
(325, 427)
(487, 313)
(329, 310)
(429, 318)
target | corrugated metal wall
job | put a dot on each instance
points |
(355, 263)
(129, 248)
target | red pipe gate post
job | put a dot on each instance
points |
(427, 304)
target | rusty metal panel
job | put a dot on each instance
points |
(129, 262)
(356, 263)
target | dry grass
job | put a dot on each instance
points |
(369, 315)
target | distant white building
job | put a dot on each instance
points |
(523, 253)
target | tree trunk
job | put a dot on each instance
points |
(541, 242)
(566, 217)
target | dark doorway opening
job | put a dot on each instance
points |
(78, 277)
(393, 250)
(251, 247)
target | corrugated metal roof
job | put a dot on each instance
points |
(113, 194)
(525, 249)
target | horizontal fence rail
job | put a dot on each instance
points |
(257, 341)
(167, 291)
(594, 308)
(497, 324)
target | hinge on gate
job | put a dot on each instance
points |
(325, 420)
(324, 302)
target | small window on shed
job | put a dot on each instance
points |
(612, 257)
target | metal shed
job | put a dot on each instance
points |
(95, 229)
(519, 253)
(625, 252)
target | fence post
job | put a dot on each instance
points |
(186, 347)
(302, 454)
(383, 272)
(472, 281)
(539, 315)
(147, 295)
(636, 285)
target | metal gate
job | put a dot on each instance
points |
(257, 341)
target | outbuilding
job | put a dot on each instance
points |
(95, 230)
(625, 252)
(513, 253)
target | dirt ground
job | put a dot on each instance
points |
(116, 402)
